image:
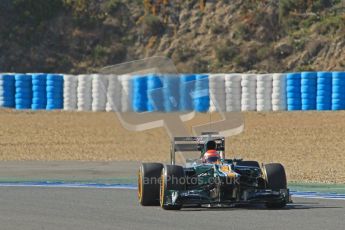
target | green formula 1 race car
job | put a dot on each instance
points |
(211, 182)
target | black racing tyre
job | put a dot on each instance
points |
(275, 180)
(148, 183)
(172, 178)
(249, 163)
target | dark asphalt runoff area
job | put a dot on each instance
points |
(91, 208)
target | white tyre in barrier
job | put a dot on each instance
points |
(279, 92)
(279, 84)
(99, 92)
(264, 77)
(278, 96)
(264, 84)
(70, 92)
(280, 101)
(233, 90)
(260, 90)
(233, 108)
(84, 92)
(249, 84)
(114, 93)
(264, 97)
(217, 92)
(250, 91)
(233, 77)
(126, 96)
(279, 77)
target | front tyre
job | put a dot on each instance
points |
(148, 183)
(275, 180)
(172, 180)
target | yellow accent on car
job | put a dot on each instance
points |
(225, 168)
(140, 186)
(231, 175)
(162, 190)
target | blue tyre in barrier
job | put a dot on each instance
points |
(7, 104)
(293, 95)
(23, 84)
(338, 91)
(293, 91)
(323, 106)
(325, 78)
(7, 90)
(54, 90)
(23, 89)
(155, 100)
(294, 107)
(20, 77)
(338, 81)
(323, 99)
(39, 91)
(7, 77)
(338, 101)
(139, 97)
(293, 76)
(294, 88)
(37, 100)
(324, 87)
(201, 93)
(39, 83)
(24, 101)
(54, 77)
(171, 95)
(309, 81)
(311, 95)
(309, 90)
(54, 95)
(338, 107)
(324, 91)
(38, 106)
(22, 95)
(308, 106)
(7, 83)
(39, 94)
(39, 88)
(187, 87)
(54, 83)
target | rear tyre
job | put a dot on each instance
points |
(275, 180)
(148, 184)
(172, 178)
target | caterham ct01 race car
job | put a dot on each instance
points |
(210, 180)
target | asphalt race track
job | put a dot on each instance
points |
(112, 208)
(91, 208)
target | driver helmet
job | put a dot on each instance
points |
(211, 157)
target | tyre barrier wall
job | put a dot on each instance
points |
(169, 93)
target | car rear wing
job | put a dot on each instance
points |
(195, 144)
